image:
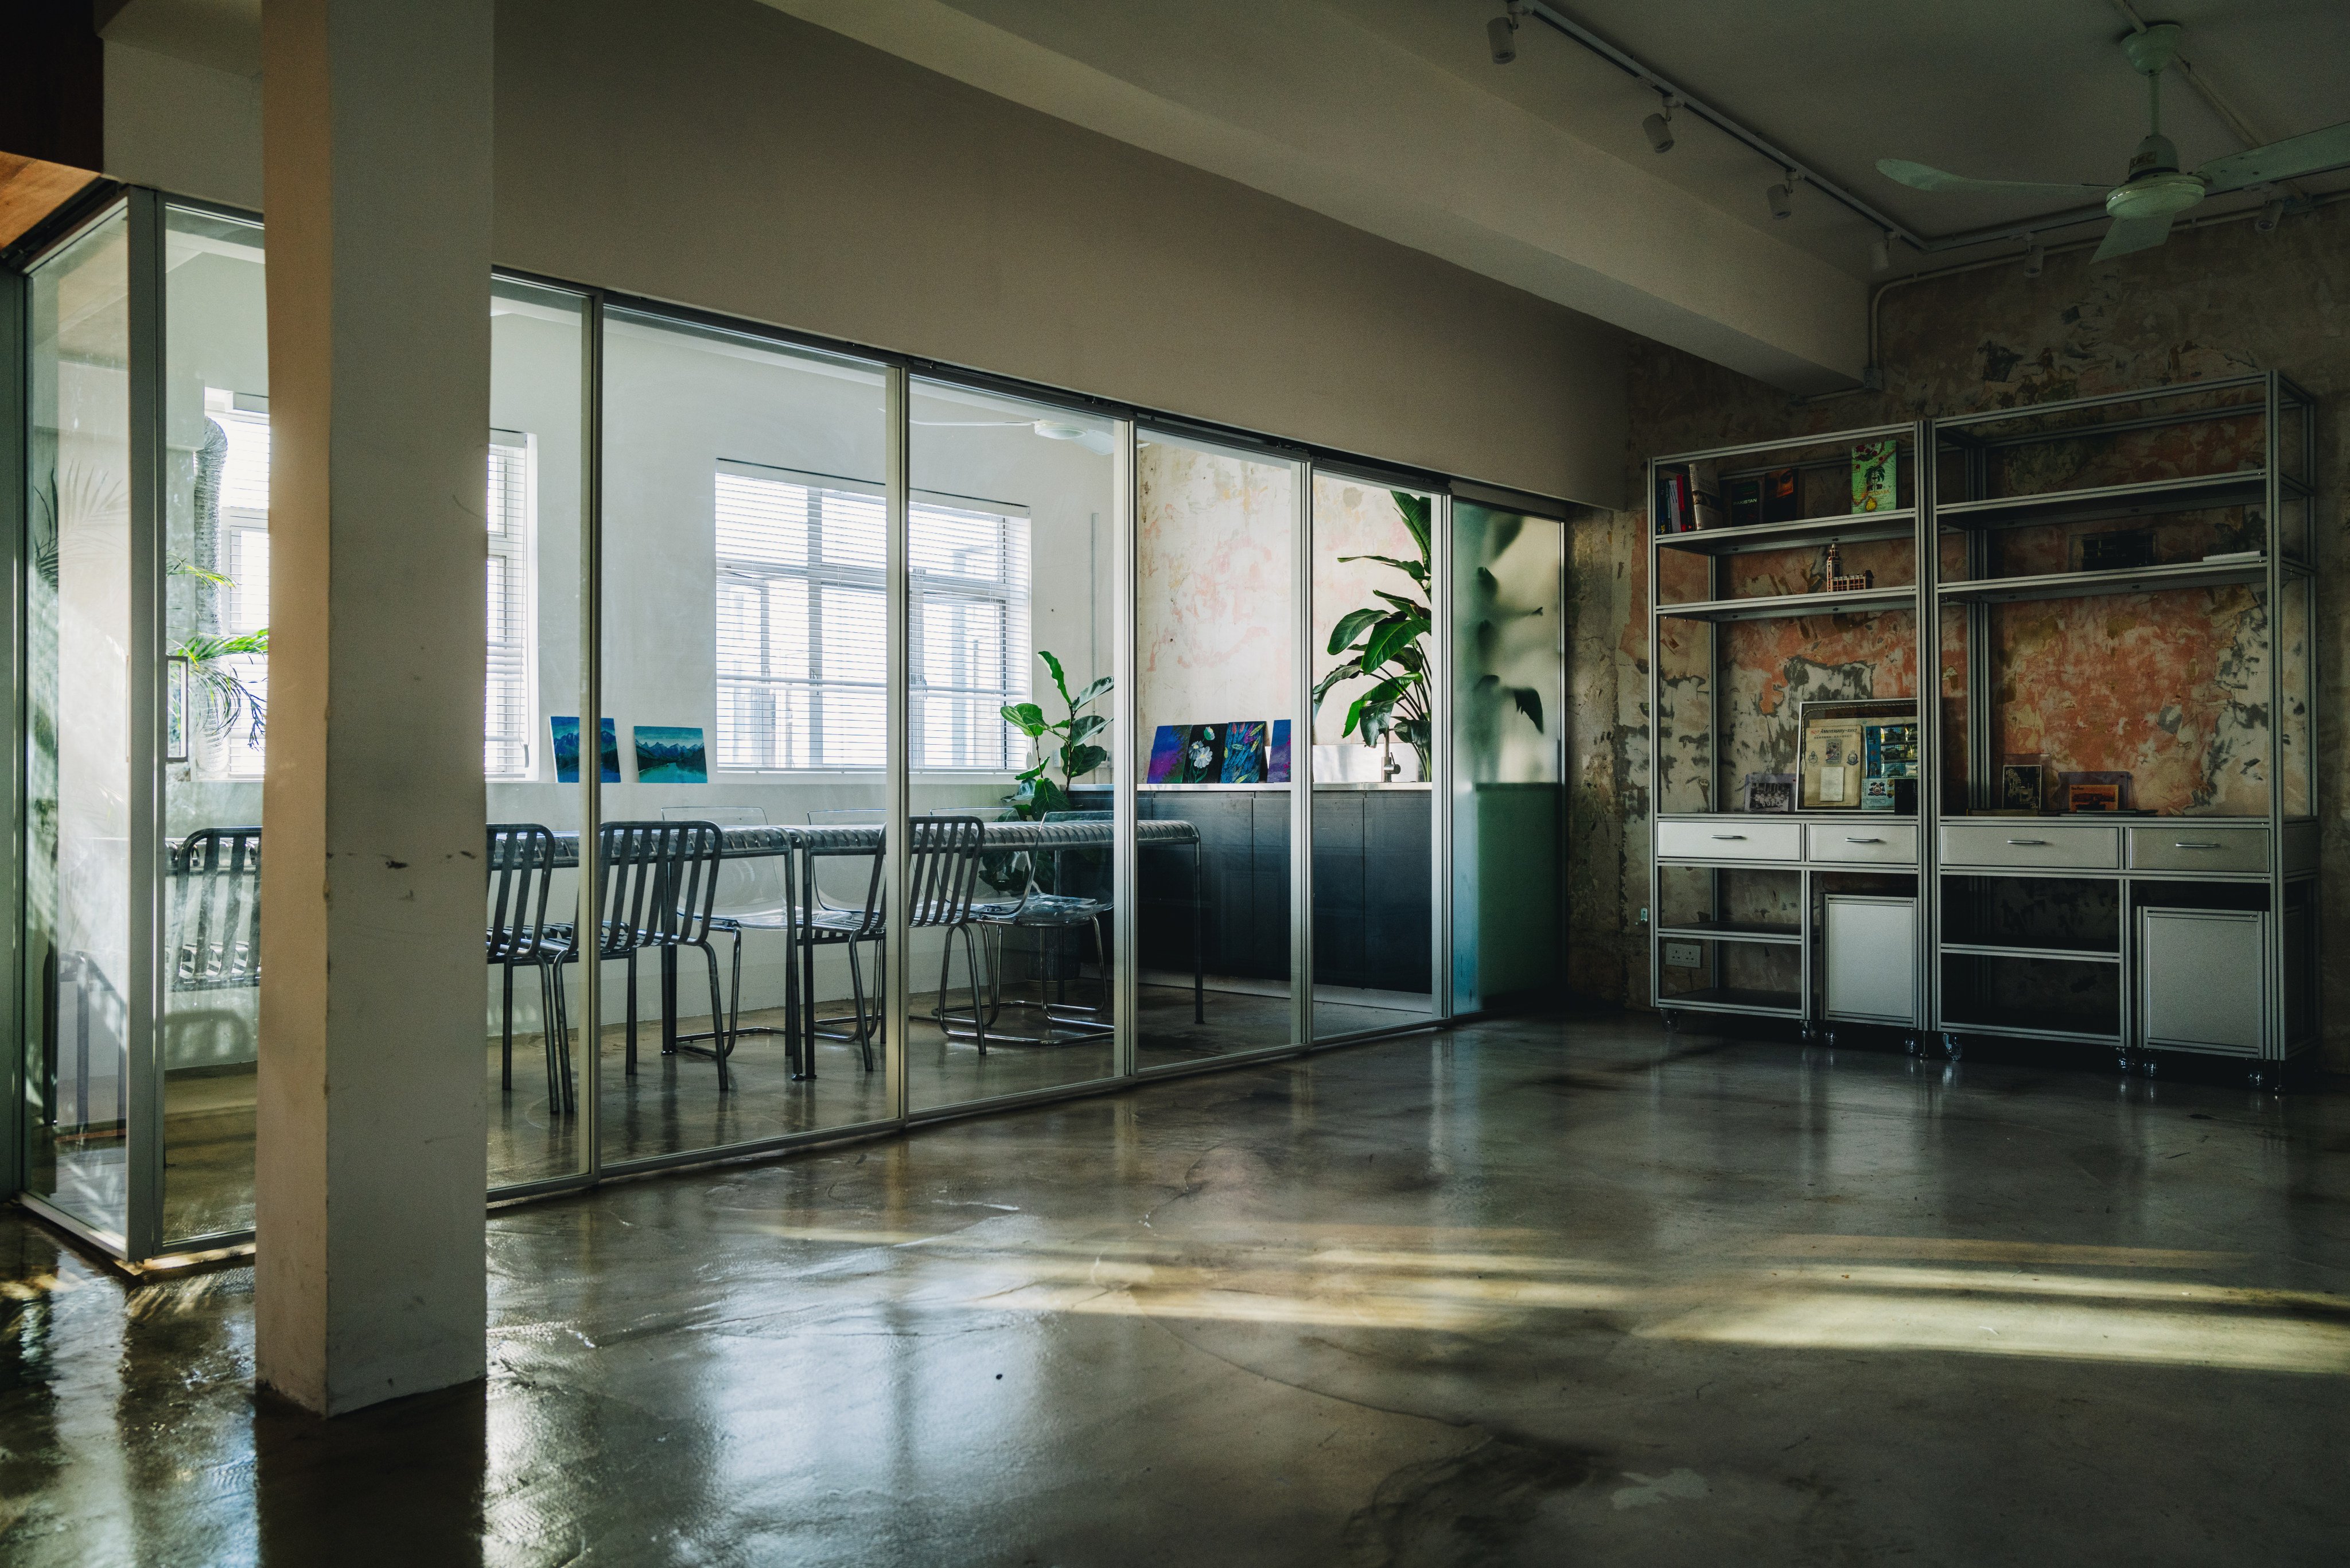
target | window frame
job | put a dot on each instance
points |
(1013, 594)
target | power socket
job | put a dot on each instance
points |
(1684, 955)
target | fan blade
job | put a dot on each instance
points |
(1918, 176)
(2129, 235)
(2286, 160)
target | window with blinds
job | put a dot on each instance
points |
(802, 628)
(509, 725)
(509, 714)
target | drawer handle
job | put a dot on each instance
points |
(2192, 844)
(2041, 841)
(1739, 836)
(1848, 839)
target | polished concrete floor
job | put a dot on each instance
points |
(673, 1105)
(1535, 1292)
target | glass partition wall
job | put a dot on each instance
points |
(941, 744)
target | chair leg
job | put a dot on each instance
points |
(721, 1041)
(632, 1012)
(563, 1037)
(506, 1035)
(550, 1044)
(971, 962)
(856, 996)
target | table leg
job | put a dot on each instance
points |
(1198, 941)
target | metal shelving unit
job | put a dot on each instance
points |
(2252, 875)
(1796, 852)
(1976, 483)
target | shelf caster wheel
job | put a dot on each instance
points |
(1672, 1021)
(1828, 1036)
(2150, 1066)
(2122, 1065)
(1953, 1047)
(1911, 1046)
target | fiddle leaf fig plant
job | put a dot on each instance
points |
(1387, 645)
(1067, 741)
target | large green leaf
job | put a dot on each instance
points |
(1337, 673)
(1529, 703)
(1025, 717)
(1416, 510)
(1059, 679)
(1083, 760)
(1409, 606)
(1085, 725)
(1101, 684)
(1349, 625)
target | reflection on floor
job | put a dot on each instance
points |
(1521, 1293)
(673, 1106)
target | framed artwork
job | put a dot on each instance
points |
(2095, 792)
(1203, 755)
(1166, 756)
(1767, 792)
(565, 730)
(2019, 788)
(671, 753)
(176, 708)
(1244, 753)
(1276, 755)
(1843, 742)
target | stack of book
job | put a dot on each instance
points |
(1688, 498)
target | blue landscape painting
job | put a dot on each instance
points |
(566, 749)
(671, 753)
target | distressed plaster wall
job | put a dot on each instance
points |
(2133, 685)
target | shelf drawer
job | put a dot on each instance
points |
(1730, 839)
(1863, 843)
(2026, 844)
(2191, 847)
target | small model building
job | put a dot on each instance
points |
(1832, 576)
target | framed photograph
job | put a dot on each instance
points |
(1767, 792)
(2094, 792)
(2019, 788)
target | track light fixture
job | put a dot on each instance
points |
(2036, 258)
(1880, 254)
(1659, 125)
(2271, 215)
(1502, 33)
(1783, 196)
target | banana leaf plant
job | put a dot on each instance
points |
(225, 697)
(1387, 645)
(1065, 743)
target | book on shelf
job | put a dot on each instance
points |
(1782, 498)
(1745, 500)
(1873, 486)
(1705, 496)
(1672, 502)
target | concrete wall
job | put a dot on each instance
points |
(2216, 302)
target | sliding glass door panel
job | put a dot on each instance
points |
(533, 1070)
(80, 886)
(744, 661)
(1375, 668)
(215, 679)
(1010, 724)
(1217, 678)
(1508, 782)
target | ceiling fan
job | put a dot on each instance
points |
(2156, 190)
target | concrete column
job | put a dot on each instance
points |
(370, 1165)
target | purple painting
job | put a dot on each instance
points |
(1276, 761)
(1166, 754)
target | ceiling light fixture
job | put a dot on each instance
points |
(1659, 125)
(1502, 33)
(1783, 197)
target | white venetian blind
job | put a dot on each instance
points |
(509, 724)
(802, 635)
